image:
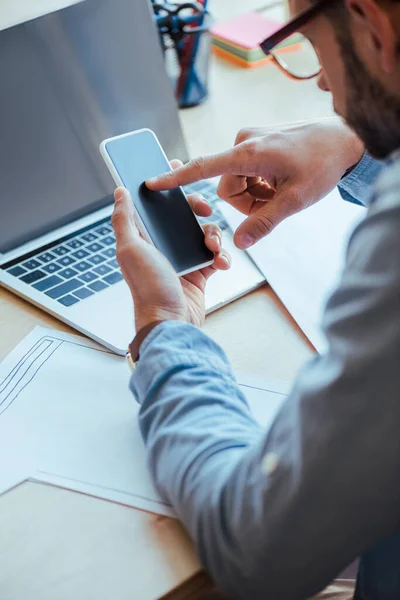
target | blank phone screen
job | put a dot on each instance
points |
(167, 216)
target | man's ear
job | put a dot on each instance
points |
(372, 19)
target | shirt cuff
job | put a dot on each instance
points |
(356, 187)
(176, 345)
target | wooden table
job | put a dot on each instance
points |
(57, 544)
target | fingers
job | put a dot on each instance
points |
(199, 205)
(151, 278)
(222, 262)
(212, 237)
(234, 190)
(130, 243)
(248, 133)
(127, 234)
(176, 163)
(213, 241)
(243, 192)
(267, 216)
(231, 186)
(123, 219)
(260, 189)
(200, 168)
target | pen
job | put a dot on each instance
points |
(192, 77)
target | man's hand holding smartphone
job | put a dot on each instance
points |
(158, 293)
(164, 219)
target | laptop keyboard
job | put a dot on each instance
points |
(84, 263)
(209, 191)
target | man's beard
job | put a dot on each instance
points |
(372, 112)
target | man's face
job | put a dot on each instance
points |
(359, 96)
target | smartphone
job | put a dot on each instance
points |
(165, 219)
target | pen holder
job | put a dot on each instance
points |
(187, 59)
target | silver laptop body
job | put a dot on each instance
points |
(69, 80)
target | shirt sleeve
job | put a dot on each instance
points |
(357, 186)
(279, 513)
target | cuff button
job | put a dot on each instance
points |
(270, 464)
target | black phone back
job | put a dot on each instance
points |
(167, 216)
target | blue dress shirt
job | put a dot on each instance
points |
(277, 514)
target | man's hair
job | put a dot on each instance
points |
(336, 9)
(337, 13)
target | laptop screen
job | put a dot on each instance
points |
(68, 80)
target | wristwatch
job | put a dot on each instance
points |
(132, 356)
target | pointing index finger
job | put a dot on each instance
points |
(203, 167)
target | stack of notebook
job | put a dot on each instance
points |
(239, 39)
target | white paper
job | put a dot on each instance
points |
(12, 475)
(66, 410)
(303, 258)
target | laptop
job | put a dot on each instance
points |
(70, 79)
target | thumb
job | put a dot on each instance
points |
(264, 220)
(145, 269)
(123, 219)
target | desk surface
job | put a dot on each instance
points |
(57, 544)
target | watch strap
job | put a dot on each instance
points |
(134, 346)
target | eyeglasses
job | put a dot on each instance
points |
(301, 60)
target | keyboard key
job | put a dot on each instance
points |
(95, 247)
(223, 225)
(82, 266)
(33, 276)
(31, 264)
(46, 257)
(80, 254)
(108, 241)
(83, 293)
(217, 219)
(17, 271)
(68, 273)
(89, 237)
(113, 278)
(194, 187)
(46, 284)
(103, 230)
(102, 270)
(97, 286)
(88, 277)
(60, 250)
(110, 252)
(64, 288)
(65, 261)
(97, 259)
(68, 300)
(52, 267)
(207, 188)
(75, 244)
(114, 263)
